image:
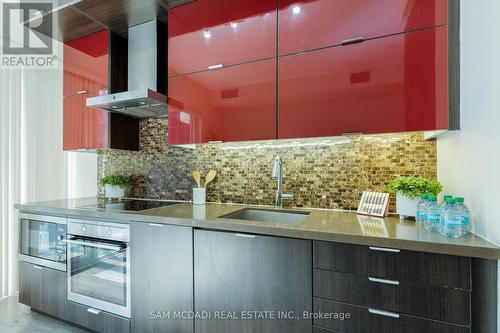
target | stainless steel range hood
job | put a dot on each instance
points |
(146, 58)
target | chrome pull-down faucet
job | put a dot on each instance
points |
(278, 176)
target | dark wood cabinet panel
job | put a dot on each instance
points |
(484, 295)
(306, 25)
(162, 277)
(361, 320)
(43, 289)
(235, 272)
(102, 322)
(391, 84)
(440, 303)
(401, 265)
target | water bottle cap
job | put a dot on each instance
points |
(424, 196)
(432, 198)
(447, 196)
(459, 199)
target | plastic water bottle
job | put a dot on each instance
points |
(464, 214)
(446, 196)
(445, 207)
(422, 209)
(451, 225)
(433, 216)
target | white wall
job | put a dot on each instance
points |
(81, 175)
(469, 160)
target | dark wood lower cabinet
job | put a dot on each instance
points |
(434, 302)
(365, 320)
(395, 264)
(237, 273)
(43, 289)
(102, 322)
(162, 278)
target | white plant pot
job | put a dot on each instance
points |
(113, 191)
(405, 206)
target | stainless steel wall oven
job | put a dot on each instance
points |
(42, 240)
(99, 265)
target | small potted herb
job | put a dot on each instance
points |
(408, 191)
(115, 185)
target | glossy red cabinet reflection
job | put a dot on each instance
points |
(220, 32)
(86, 64)
(84, 128)
(392, 84)
(310, 24)
(231, 104)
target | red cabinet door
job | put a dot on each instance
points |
(310, 24)
(84, 128)
(212, 32)
(236, 103)
(86, 64)
(392, 84)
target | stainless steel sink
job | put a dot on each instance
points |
(268, 215)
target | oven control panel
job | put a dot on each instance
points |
(97, 229)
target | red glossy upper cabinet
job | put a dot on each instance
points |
(310, 24)
(236, 103)
(86, 64)
(392, 84)
(208, 33)
(84, 128)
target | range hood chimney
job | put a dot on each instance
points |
(147, 83)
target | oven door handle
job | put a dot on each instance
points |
(91, 244)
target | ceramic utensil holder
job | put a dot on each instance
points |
(199, 196)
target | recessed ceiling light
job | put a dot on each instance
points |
(207, 34)
(234, 25)
(296, 10)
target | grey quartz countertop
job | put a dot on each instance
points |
(321, 224)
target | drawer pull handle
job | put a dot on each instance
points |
(218, 66)
(156, 224)
(384, 249)
(385, 281)
(93, 311)
(353, 40)
(383, 313)
(245, 235)
(37, 267)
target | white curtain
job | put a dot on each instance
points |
(10, 176)
(33, 166)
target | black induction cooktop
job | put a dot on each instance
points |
(129, 204)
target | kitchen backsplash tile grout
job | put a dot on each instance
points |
(321, 172)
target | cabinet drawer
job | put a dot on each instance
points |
(367, 320)
(428, 268)
(433, 302)
(101, 322)
(43, 289)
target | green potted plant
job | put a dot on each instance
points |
(408, 191)
(115, 185)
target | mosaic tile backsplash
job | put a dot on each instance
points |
(321, 172)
